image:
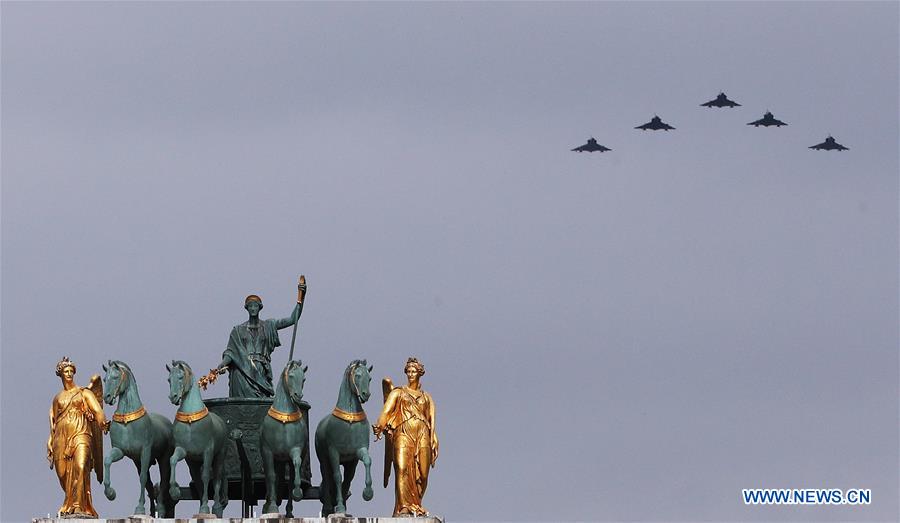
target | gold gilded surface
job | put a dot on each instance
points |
(411, 446)
(352, 417)
(130, 416)
(284, 417)
(75, 445)
(190, 417)
(210, 378)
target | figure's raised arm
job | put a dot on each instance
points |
(290, 320)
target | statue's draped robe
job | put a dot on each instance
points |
(73, 445)
(411, 441)
(251, 358)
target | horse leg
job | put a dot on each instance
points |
(164, 503)
(268, 461)
(296, 458)
(325, 495)
(219, 485)
(143, 468)
(363, 455)
(204, 479)
(114, 455)
(289, 508)
(174, 490)
(349, 473)
(334, 460)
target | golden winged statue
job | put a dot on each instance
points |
(411, 445)
(75, 445)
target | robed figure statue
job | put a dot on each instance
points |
(248, 356)
(75, 445)
(411, 446)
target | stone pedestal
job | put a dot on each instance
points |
(334, 518)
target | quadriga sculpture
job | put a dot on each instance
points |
(285, 433)
(145, 438)
(342, 438)
(200, 438)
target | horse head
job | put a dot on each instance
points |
(359, 375)
(181, 379)
(292, 378)
(116, 381)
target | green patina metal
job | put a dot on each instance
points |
(342, 438)
(284, 436)
(200, 438)
(248, 355)
(145, 438)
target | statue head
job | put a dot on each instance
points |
(253, 304)
(413, 369)
(65, 369)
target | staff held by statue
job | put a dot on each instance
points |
(301, 292)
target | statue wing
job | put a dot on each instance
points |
(96, 388)
(386, 387)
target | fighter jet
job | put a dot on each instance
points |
(721, 101)
(590, 147)
(767, 120)
(829, 145)
(655, 124)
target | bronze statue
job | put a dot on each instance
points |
(411, 444)
(248, 356)
(75, 445)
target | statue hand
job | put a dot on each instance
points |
(301, 290)
(50, 455)
(106, 426)
(377, 431)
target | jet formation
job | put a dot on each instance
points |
(655, 124)
(590, 147)
(721, 100)
(829, 145)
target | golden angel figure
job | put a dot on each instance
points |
(75, 445)
(411, 445)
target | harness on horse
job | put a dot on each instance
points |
(128, 417)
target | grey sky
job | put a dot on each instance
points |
(635, 335)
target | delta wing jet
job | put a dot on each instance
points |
(767, 120)
(590, 147)
(829, 145)
(721, 101)
(655, 124)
